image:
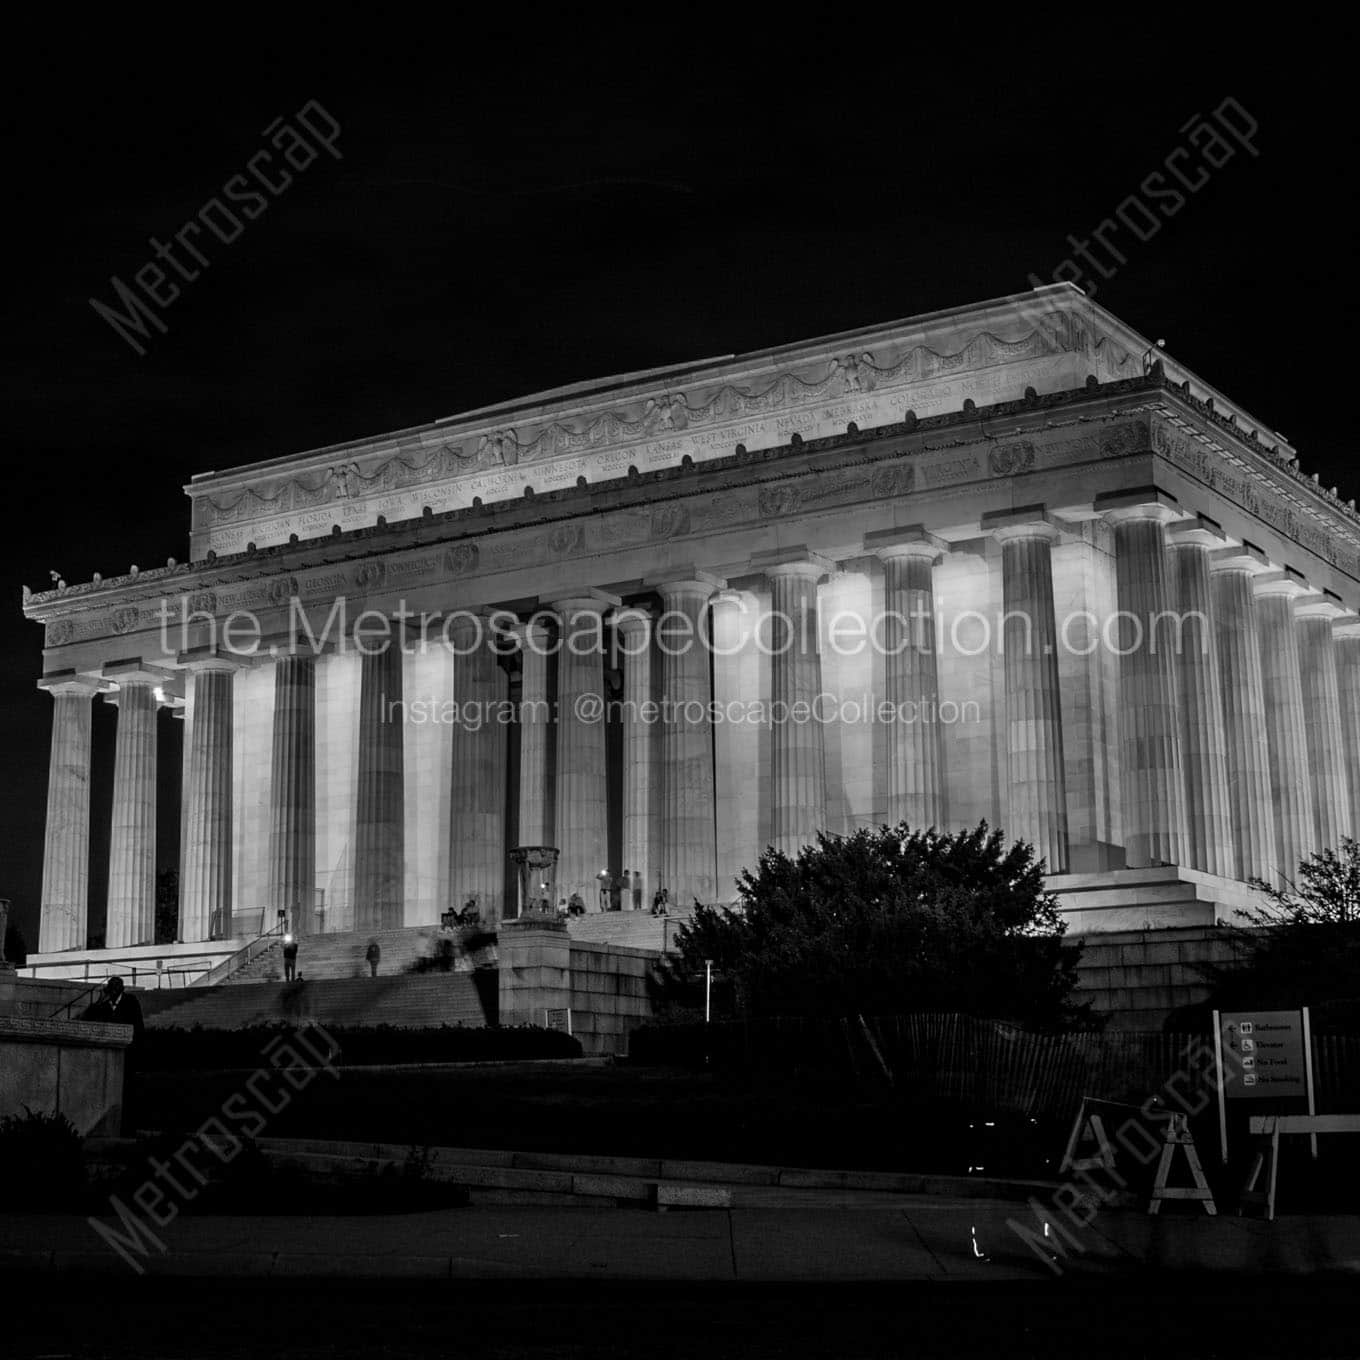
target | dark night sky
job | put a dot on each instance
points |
(515, 211)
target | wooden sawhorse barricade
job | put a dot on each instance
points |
(1090, 1128)
(1267, 1159)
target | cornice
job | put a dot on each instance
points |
(899, 446)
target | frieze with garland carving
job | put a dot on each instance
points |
(848, 375)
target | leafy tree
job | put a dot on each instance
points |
(889, 920)
(1303, 947)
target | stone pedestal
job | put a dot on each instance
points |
(66, 842)
(535, 970)
(1035, 782)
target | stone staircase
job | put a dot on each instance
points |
(430, 999)
(342, 955)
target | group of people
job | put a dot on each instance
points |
(372, 956)
(575, 905)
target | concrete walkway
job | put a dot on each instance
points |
(928, 1239)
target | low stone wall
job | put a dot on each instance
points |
(609, 994)
(70, 1067)
(1138, 977)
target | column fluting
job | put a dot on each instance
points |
(797, 755)
(1255, 854)
(205, 890)
(1150, 725)
(64, 919)
(634, 628)
(1346, 639)
(292, 796)
(380, 802)
(535, 728)
(582, 788)
(911, 680)
(1208, 807)
(477, 848)
(1036, 779)
(1313, 618)
(688, 798)
(132, 844)
(1286, 730)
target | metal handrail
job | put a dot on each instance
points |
(79, 996)
(233, 963)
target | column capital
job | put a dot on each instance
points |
(698, 584)
(915, 540)
(1318, 605)
(1248, 558)
(732, 597)
(1287, 582)
(1347, 627)
(1199, 531)
(1026, 521)
(70, 682)
(795, 561)
(632, 621)
(588, 601)
(134, 671)
(208, 658)
(1138, 503)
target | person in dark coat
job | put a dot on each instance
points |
(290, 952)
(117, 1006)
(373, 954)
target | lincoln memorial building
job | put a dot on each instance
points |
(1008, 561)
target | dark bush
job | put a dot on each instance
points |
(198, 1049)
(42, 1161)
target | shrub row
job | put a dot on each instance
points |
(198, 1049)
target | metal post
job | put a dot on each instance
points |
(708, 989)
(1308, 1074)
(1222, 1106)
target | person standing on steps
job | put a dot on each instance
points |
(373, 954)
(290, 953)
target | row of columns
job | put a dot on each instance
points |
(1233, 746)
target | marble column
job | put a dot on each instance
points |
(1314, 616)
(292, 796)
(741, 747)
(63, 923)
(688, 797)
(1208, 807)
(911, 681)
(477, 848)
(535, 728)
(582, 821)
(380, 803)
(797, 755)
(1255, 854)
(132, 843)
(634, 628)
(1155, 829)
(1035, 777)
(1291, 788)
(1346, 639)
(205, 890)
